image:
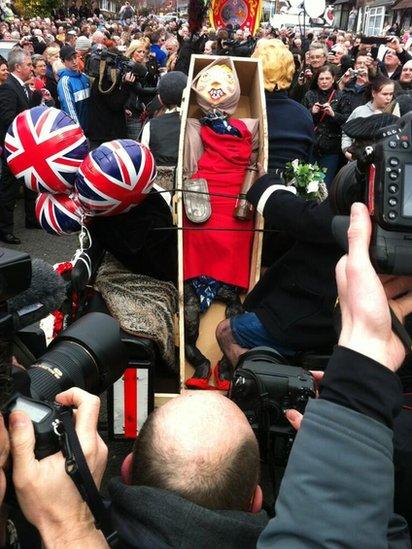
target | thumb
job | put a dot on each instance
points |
(21, 443)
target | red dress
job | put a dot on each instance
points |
(222, 255)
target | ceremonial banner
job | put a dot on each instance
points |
(244, 13)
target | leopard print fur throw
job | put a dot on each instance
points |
(144, 306)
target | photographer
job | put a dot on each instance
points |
(109, 96)
(345, 492)
(47, 496)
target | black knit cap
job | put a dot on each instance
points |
(171, 88)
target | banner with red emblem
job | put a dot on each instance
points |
(245, 14)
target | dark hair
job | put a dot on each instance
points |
(3, 61)
(155, 37)
(324, 68)
(377, 84)
(229, 486)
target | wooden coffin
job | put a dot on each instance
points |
(251, 105)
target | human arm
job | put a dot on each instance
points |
(8, 105)
(302, 219)
(340, 469)
(47, 496)
(66, 98)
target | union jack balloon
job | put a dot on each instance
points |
(115, 177)
(59, 213)
(45, 147)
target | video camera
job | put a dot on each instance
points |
(263, 387)
(89, 354)
(113, 61)
(382, 179)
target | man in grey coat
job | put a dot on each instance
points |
(338, 487)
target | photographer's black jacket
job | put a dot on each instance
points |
(106, 111)
(295, 297)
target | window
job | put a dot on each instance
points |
(374, 21)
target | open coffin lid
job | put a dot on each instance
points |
(251, 105)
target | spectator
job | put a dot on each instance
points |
(4, 71)
(73, 88)
(140, 95)
(317, 57)
(82, 47)
(405, 80)
(161, 134)
(382, 90)
(14, 98)
(157, 40)
(126, 13)
(321, 101)
(171, 45)
(290, 128)
(394, 58)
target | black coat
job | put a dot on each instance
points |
(133, 239)
(328, 128)
(350, 98)
(295, 297)
(290, 130)
(151, 518)
(13, 101)
(107, 118)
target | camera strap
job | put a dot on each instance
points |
(79, 472)
(113, 77)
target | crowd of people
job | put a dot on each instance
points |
(124, 77)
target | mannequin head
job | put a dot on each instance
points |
(217, 86)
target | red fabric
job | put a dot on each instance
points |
(222, 255)
(130, 403)
(220, 384)
(59, 317)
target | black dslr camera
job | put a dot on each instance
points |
(263, 387)
(382, 179)
(89, 354)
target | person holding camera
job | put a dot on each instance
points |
(143, 90)
(394, 58)
(352, 420)
(108, 97)
(321, 100)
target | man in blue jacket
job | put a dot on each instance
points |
(73, 88)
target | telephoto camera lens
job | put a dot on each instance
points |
(89, 354)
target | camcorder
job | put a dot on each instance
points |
(113, 61)
(263, 387)
(89, 354)
(382, 179)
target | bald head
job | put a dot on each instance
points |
(200, 446)
(406, 74)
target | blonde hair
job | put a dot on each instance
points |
(135, 45)
(50, 52)
(277, 63)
